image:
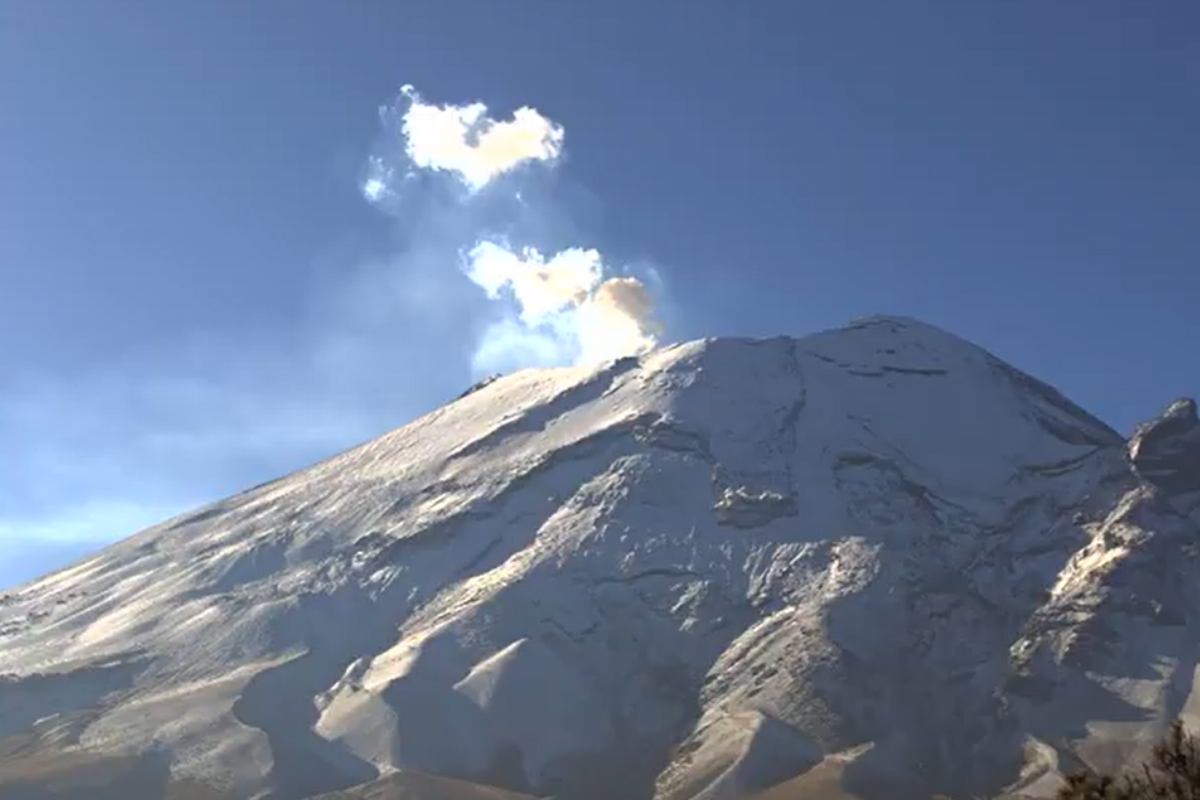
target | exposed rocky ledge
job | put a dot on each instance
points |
(1166, 450)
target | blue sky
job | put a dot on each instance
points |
(196, 295)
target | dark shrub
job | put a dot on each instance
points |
(1172, 773)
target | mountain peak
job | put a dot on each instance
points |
(722, 559)
(1181, 412)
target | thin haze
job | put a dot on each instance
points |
(232, 244)
(473, 283)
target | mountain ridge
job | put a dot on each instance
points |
(639, 577)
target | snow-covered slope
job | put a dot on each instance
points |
(691, 575)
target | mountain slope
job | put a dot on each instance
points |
(693, 574)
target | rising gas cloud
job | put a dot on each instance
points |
(567, 306)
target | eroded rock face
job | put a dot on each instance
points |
(1166, 450)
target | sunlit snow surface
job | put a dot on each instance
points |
(696, 574)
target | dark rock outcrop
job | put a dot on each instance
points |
(1166, 450)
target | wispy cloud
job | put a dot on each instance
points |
(490, 274)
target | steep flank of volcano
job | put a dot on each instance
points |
(877, 559)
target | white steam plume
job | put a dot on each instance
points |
(565, 301)
(465, 141)
(565, 307)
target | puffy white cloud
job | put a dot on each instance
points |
(466, 141)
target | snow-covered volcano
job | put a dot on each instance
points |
(695, 574)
